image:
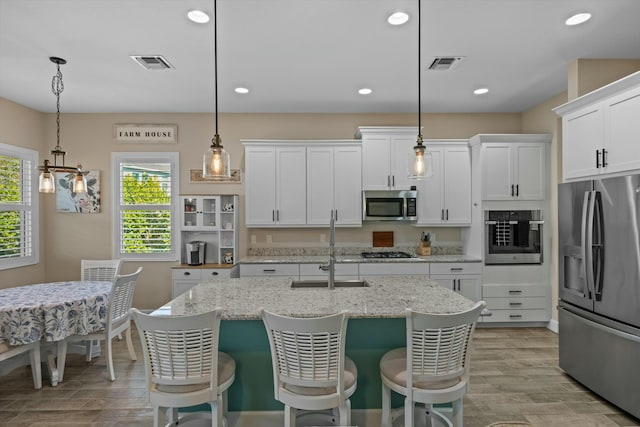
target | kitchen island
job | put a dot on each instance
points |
(376, 324)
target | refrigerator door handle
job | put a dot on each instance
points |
(585, 244)
(598, 246)
(590, 262)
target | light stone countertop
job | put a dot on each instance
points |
(346, 259)
(386, 297)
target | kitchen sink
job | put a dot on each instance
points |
(325, 284)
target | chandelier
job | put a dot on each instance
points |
(47, 180)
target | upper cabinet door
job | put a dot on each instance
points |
(431, 192)
(260, 187)
(348, 185)
(583, 138)
(457, 186)
(376, 173)
(622, 124)
(401, 151)
(497, 176)
(291, 187)
(320, 185)
(531, 171)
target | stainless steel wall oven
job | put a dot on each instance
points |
(513, 237)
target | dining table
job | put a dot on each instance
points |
(50, 312)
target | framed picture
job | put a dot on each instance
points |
(195, 176)
(68, 201)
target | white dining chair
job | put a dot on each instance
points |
(118, 320)
(310, 369)
(8, 354)
(183, 365)
(99, 269)
(433, 368)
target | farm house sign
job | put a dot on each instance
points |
(146, 133)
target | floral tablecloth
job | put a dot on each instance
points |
(52, 311)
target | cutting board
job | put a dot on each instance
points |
(382, 239)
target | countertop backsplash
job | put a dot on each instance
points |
(345, 251)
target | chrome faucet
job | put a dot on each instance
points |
(331, 265)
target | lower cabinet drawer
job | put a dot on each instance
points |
(517, 316)
(516, 303)
(186, 274)
(389, 269)
(214, 273)
(266, 270)
(502, 290)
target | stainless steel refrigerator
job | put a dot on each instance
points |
(599, 269)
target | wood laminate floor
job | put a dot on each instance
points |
(515, 377)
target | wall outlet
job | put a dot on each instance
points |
(253, 238)
(269, 238)
(323, 238)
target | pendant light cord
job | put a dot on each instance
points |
(419, 75)
(215, 55)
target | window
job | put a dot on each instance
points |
(145, 201)
(18, 207)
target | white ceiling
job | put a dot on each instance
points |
(303, 55)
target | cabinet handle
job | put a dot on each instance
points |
(459, 285)
(442, 215)
(516, 291)
(454, 284)
(393, 180)
(214, 273)
(515, 316)
(447, 218)
(336, 215)
(278, 215)
(269, 270)
(604, 158)
(388, 180)
(597, 159)
(273, 216)
(517, 190)
(515, 304)
(186, 273)
(511, 190)
(456, 269)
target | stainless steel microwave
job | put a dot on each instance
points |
(390, 205)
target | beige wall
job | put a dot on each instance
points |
(22, 127)
(586, 75)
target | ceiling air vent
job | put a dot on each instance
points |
(152, 62)
(441, 63)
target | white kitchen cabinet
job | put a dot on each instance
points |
(391, 269)
(334, 184)
(385, 157)
(275, 185)
(186, 278)
(515, 170)
(200, 212)
(464, 278)
(445, 198)
(212, 219)
(516, 302)
(599, 130)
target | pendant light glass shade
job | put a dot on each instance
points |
(79, 185)
(47, 182)
(216, 162)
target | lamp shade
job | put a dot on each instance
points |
(216, 162)
(420, 163)
(47, 182)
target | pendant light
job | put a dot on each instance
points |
(420, 161)
(47, 179)
(216, 163)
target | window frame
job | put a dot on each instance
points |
(33, 206)
(117, 158)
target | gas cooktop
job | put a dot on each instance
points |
(386, 254)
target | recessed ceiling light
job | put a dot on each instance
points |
(578, 19)
(481, 91)
(398, 18)
(198, 16)
(365, 91)
(241, 90)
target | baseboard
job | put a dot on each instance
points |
(553, 326)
